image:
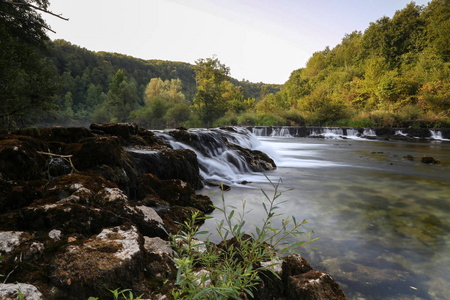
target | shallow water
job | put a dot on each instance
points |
(383, 221)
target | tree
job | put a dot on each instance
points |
(169, 90)
(208, 102)
(26, 79)
(123, 98)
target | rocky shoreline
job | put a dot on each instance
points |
(81, 214)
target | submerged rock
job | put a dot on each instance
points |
(429, 160)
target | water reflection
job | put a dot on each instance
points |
(384, 221)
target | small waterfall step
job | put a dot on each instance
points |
(352, 133)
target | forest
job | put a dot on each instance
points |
(394, 74)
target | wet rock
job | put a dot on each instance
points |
(221, 185)
(10, 291)
(429, 160)
(297, 280)
(257, 160)
(313, 285)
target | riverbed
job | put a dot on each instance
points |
(383, 219)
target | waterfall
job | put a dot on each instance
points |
(219, 161)
(400, 132)
(333, 133)
(369, 132)
(281, 132)
(259, 131)
(437, 135)
(315, 132)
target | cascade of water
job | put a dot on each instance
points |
(275, 132)
(261, 131)
(369, 132)
(218, 160)
(437, 135)
(333, 133)
(285, 132)
(315, 132)
(400, 132)
(352, 132)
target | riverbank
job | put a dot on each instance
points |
(82, 210)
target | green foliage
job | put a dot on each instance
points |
(397, 63)
(211, 76)
(165, 105)
(118, 292)
(232, 269)
(26, 78)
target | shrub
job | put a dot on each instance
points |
(294, 117)
(227, 120)
(231, 269)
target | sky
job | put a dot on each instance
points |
(259, 40)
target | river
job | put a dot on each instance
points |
(383, 220)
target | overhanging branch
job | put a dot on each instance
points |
(37, 8)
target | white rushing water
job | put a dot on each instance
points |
(218, 162)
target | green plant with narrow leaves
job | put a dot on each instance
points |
(232, 268)
(118, 292)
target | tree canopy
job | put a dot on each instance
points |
(26, 79)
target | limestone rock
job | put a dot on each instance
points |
(10, 291)
(313, 285)
(159, 263)
(111, 259)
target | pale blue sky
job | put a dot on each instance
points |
(260, 40)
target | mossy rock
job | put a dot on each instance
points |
(19, 157)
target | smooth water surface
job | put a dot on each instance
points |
(383, 220)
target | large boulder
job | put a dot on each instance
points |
(167, 163)
(173, 192)
(106, 156)
(109, 260)
(297, 280)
